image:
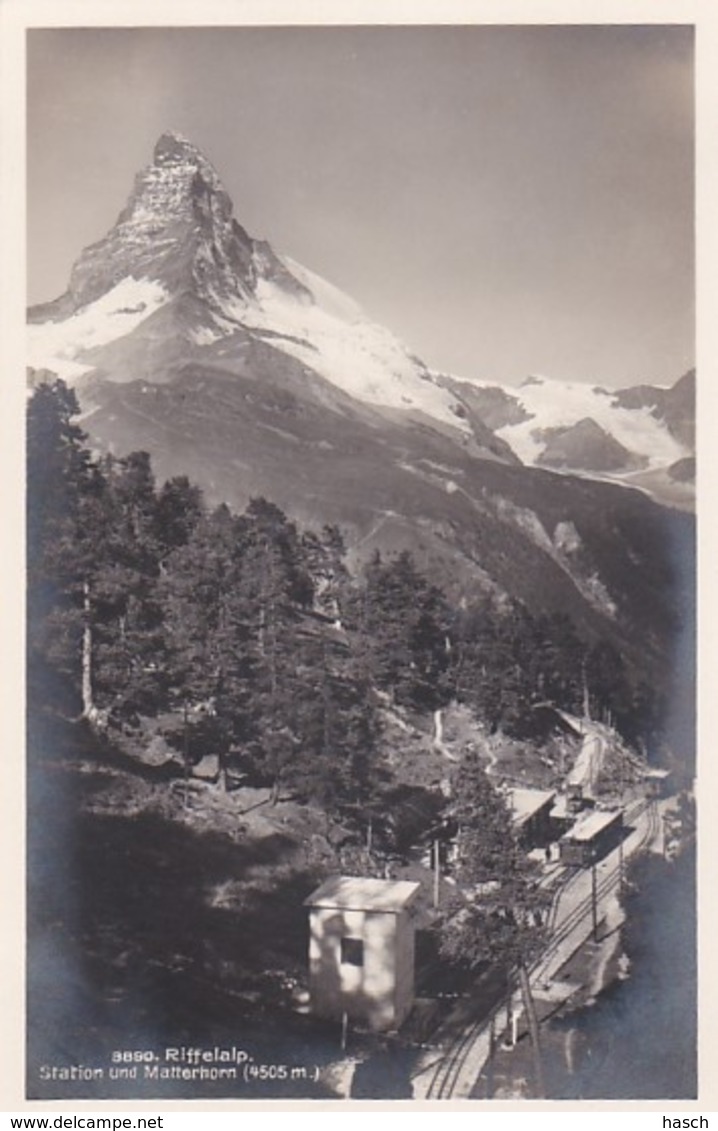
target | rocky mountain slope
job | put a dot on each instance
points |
(186, 337)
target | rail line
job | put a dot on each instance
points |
(605, 884)
(447, 1072)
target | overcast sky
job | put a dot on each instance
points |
(507, 200)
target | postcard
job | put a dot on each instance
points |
(353, 383)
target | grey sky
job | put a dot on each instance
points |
(506, 199)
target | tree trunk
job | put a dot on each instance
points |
(185, 749)
(89, 710)
(261, 628)
(490, 1062)
(223, 769)
(532, 1019)
(438, 728)
(586, 696)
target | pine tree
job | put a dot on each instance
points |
(559, 662)
(492, 651)
(506, 661)
(207, 626)
(609, 687)
(178, 510)
(128, 641)
(338, 763)
(276, 586)
(233, 598)
(66, 513)
(323, 555)
(403, 622)
(57, 464)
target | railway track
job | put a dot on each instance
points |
(446, 1074)
(604, 885)
(572, 922)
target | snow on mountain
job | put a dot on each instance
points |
(57, 345)
(548, 405)
(325, 294)
(330, 335)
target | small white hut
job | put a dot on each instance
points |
(361, 950)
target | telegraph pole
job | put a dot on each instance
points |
(185, 750)
(492, 1054)
(594, 901)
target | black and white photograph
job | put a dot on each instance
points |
(360, 562)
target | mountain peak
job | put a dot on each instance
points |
(173, 148)
(178, 161)
(177, 229)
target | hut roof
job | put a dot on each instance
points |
(526, 803)
(592, 824)
(361, 893)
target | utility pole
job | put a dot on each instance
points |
(586, 696)
(437, 871)
(185, 749)
(664, 835)
(533, 1024)
(594, 901)
(492, 1054)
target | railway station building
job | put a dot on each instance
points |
(531, 816)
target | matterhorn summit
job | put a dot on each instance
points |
(177, 229)
(175, 242)
(178, 279)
